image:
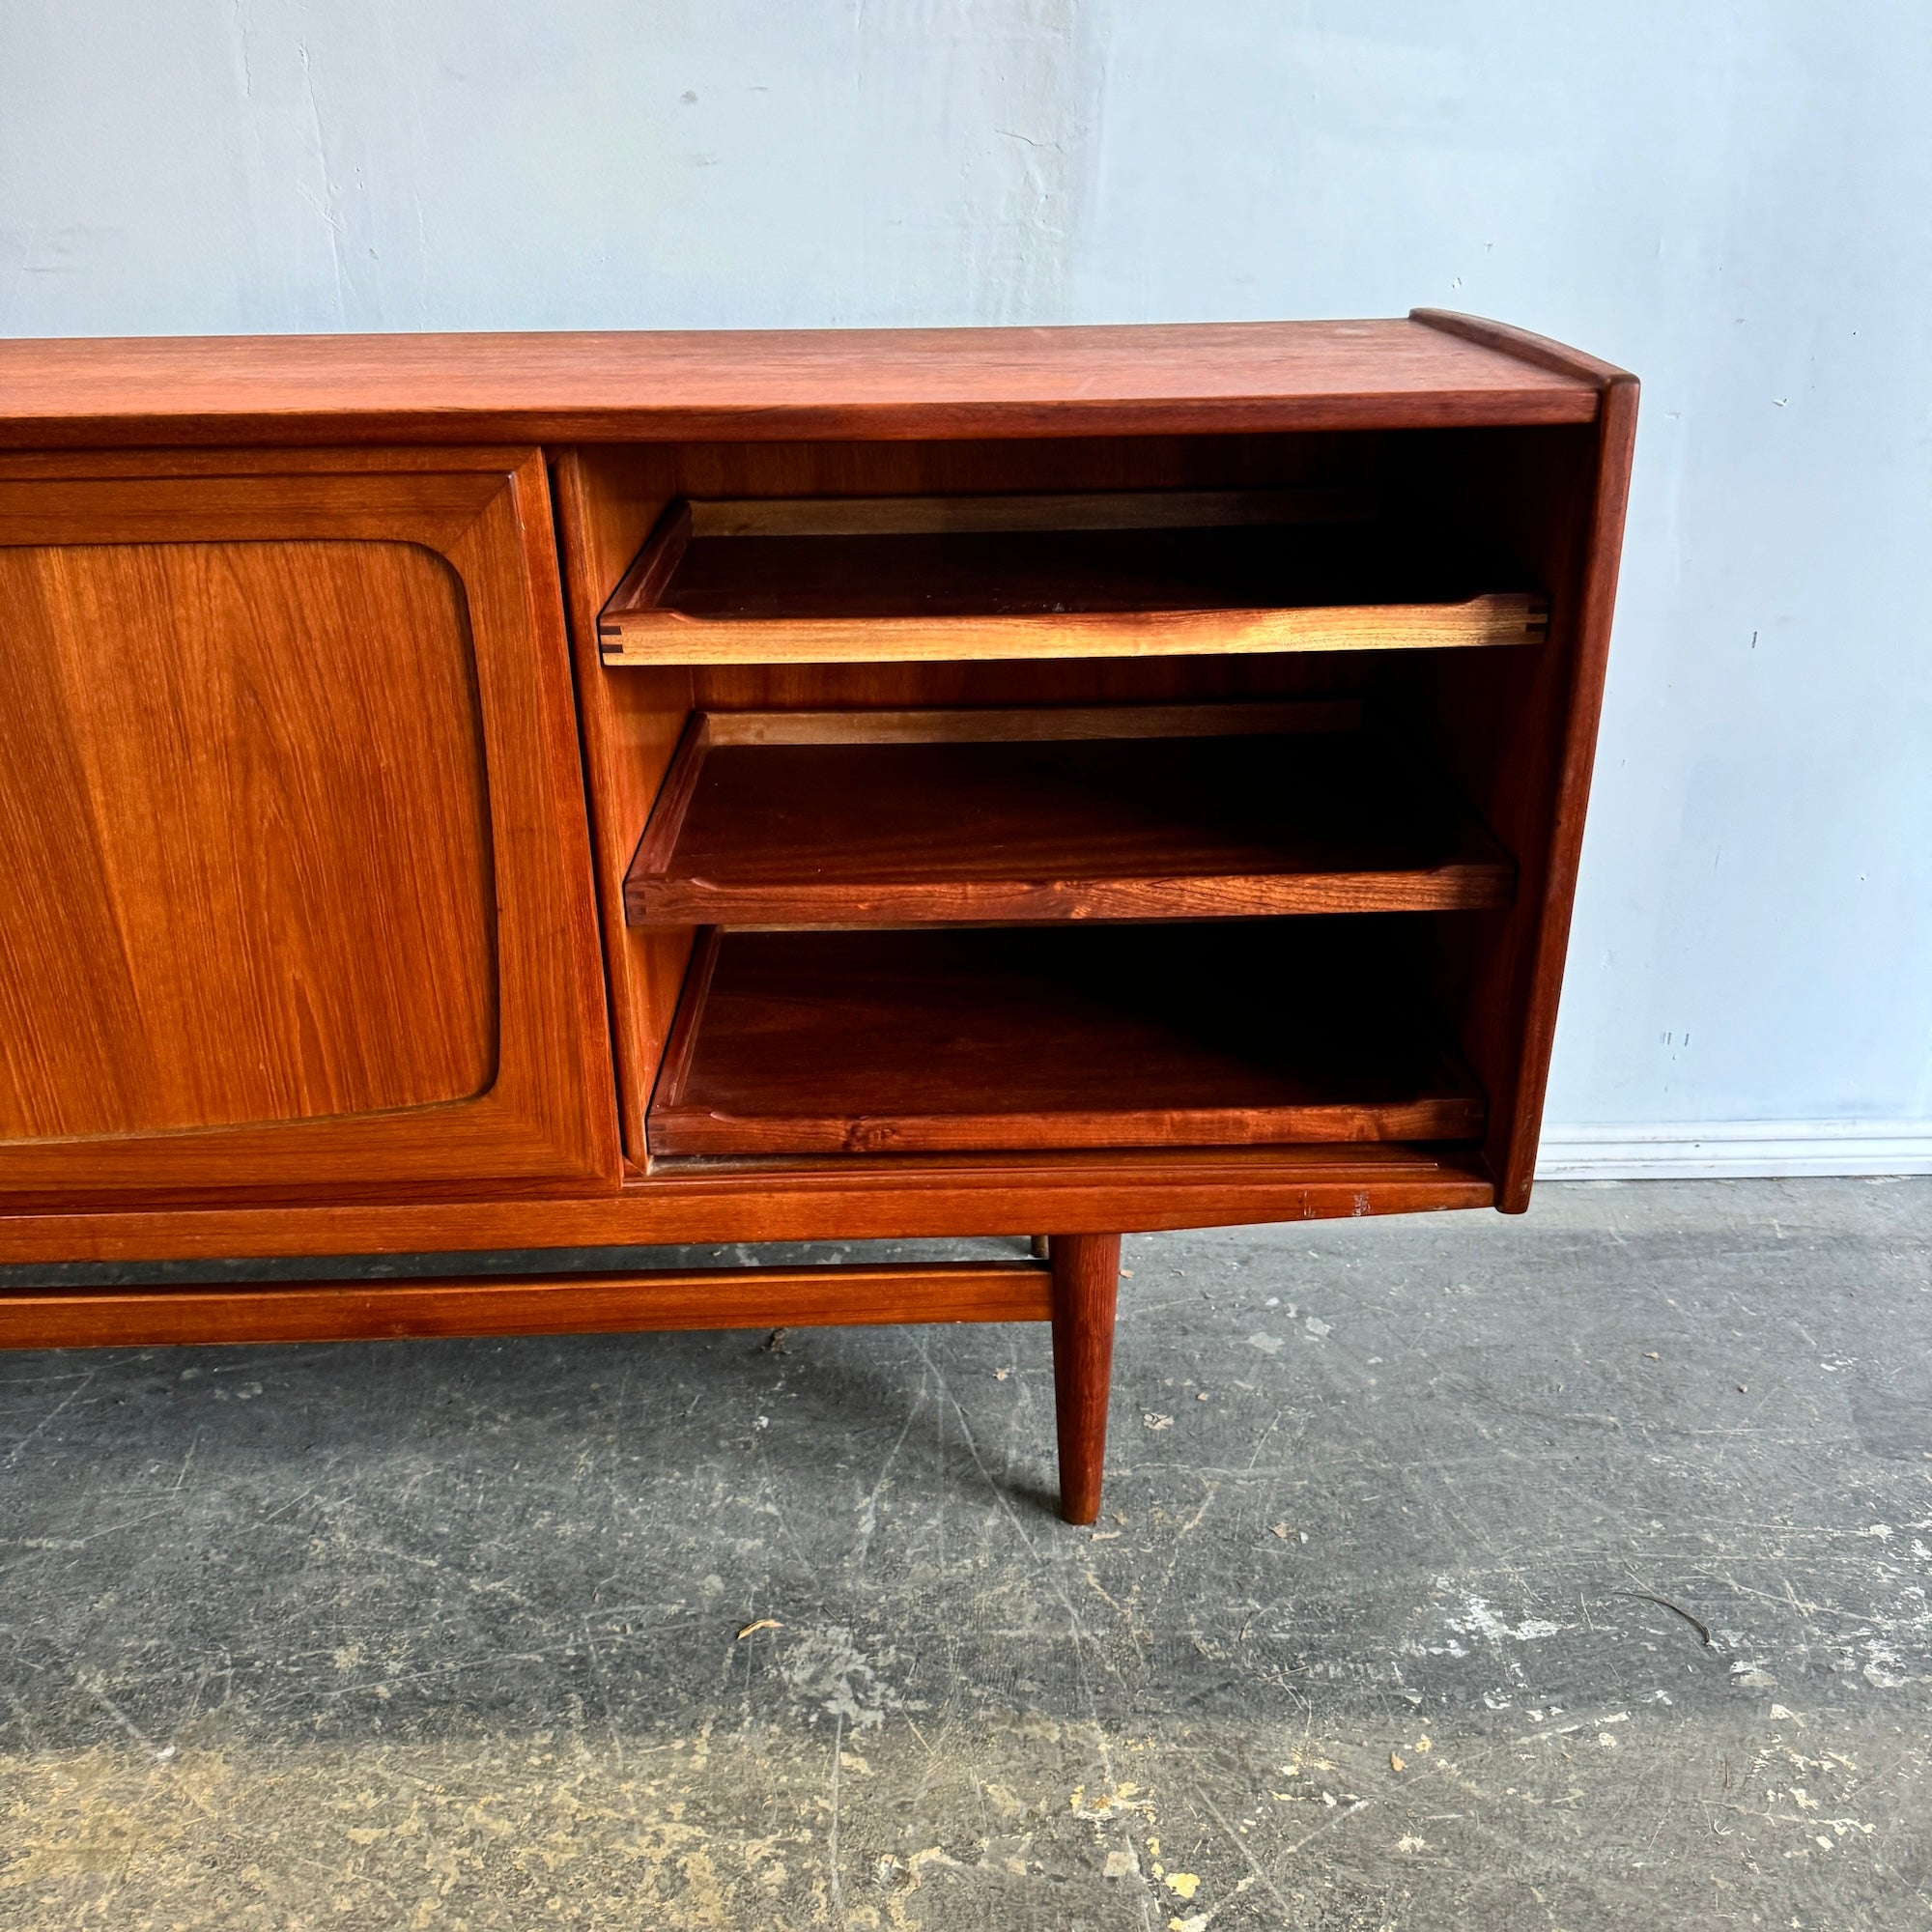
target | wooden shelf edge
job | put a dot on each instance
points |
(679, 787)
(1493, 619)
(691, 1130)
(653, 566)
(674, 1068)
(562, 1304)
(1474, 885)
(1300, 1163)
(1043, 723)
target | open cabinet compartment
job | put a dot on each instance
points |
(1230, 1035)
(886, 792)
(1072, 574)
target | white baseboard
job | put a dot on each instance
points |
(1712, 1149)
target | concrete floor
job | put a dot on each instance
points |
(1452, 1572)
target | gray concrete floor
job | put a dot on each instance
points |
(1453, 1571)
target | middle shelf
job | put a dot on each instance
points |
(880, 818)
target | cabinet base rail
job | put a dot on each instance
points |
(1074, 1290)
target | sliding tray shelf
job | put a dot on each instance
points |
(1228, 1034)
(1120, 812)
(1126, 574)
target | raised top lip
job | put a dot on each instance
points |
(661, 384)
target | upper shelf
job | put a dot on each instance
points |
(1126, 574)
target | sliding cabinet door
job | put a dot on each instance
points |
(295, 878)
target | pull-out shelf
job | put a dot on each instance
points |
(1228, 1035)
(1122, 812)
(1123, 574)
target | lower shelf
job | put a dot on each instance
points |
(1238, 1034)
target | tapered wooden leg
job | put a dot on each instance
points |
(1038, 1247)
(1086, 1280)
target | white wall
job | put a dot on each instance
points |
(1735, 201)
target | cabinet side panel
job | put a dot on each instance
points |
(244, 829)
(1519, 729)
(1601, 536)
(606, 501)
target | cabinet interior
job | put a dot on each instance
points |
(876, 881)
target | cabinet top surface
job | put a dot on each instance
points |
(1179, 379)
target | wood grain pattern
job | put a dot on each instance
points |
(681, 781)
(1086, 1286)
(1061, 823)
(337, 503)
(673, 1074)
(1598, 536)
(563, 1304)
(298, 805)
(1540, 352)
(755, 386)
(1498, 730)
(831, 1042)
(843, 1197)
(644, 583)
(670, 638)
(1041, 723)
(608, 501)
(195, 938)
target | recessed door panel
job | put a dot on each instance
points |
(298, 893)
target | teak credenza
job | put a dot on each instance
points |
(466, 793)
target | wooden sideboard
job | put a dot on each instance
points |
(464, 793)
